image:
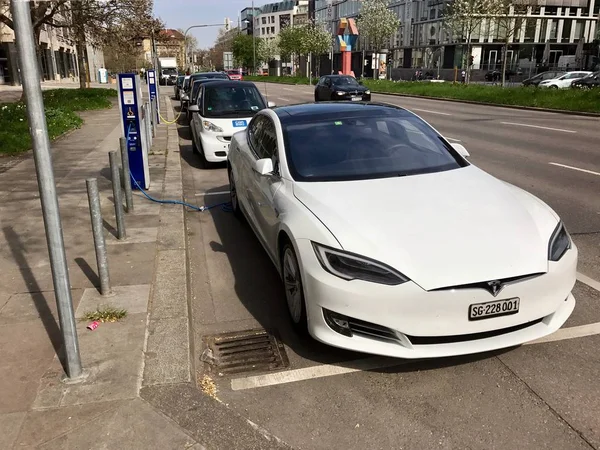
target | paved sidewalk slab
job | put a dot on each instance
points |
(133, 299)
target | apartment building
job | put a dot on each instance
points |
(549, 30)
(57, 58)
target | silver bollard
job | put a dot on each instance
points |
(98, 232)
(116, 185)
(126, 175)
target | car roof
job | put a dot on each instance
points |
(232, 83)
(315, 112)
(339, 76)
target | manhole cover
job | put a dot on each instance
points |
(244, 351)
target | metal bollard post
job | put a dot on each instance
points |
(153, 116)
(148, 125)
(98, 232)
(126, 174)
(116, 185)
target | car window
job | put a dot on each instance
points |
(365, 148)
(267, 145)
(345, 81)
(255, 133)
(230, 101)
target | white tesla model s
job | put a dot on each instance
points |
(389, 241)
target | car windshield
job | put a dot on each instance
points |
(361, 148)
(345, 81)
(232, 101)
(180, 80)
(169, 71)
(196, 87)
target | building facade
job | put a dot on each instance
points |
(57, 56)
(548, 30)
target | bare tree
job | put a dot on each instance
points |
(511, 18)
(464, 17)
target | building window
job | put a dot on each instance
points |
(264, 20)
(273, 30)
(566, 31)
(578, 29)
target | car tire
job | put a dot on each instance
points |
(194, 146)
(316, 98)
(235, 202)
(553, 87)
(206, 164)
(294, 289)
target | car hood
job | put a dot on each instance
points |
(358, 88)
(444, 229)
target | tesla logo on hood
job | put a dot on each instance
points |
(495, 287)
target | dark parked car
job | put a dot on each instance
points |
(341, 87)
(589, 82)
(496, 75)
(193, 96)
(534, 81)
(178, 85)
(187, 85)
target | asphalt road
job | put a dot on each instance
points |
(542, 395)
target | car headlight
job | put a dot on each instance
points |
(367, 92)
(211, 126)
(340, 93)
(560, 242)
(353, 267)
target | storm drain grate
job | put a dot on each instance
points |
(244, 351)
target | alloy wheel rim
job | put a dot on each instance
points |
(293, 285)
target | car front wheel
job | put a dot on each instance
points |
(235, 203)
(294, 290)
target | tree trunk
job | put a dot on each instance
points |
(505, 52)
(79, 28)
(468, 77)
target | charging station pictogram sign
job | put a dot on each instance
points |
(153, 91)
(130, 98)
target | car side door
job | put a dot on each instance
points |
(264, 187)
(326, 89)
(319, 88)
(196, 119)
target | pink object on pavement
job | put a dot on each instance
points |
(92, 326)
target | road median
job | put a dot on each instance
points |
(573, 101)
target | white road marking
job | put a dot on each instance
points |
(588, 281)
(432, 112)
(574, 168)
(537, 126)
(202, 194)
(361, 365)
(569, 333)
(452, 139)
(308, 373)
(287, 89)
(283, 99)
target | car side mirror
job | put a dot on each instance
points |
(271, 104)
(462, 151)
(263, 166)
(185, 97)
(193, 108)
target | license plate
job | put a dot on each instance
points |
(239, 123)
(356, 99)
(478, 311)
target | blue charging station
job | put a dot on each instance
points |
(130, 102)
(153, 91)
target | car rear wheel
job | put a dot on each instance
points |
(294, 290)
(553, 87)
(235, 204)
(316, 98)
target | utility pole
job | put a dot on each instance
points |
(253, 40)
(43, 165)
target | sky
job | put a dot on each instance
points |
(185, 13)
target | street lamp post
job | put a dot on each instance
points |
(185, 58)
(253, 41)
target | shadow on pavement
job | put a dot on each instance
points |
(40, 301)
(88, 271)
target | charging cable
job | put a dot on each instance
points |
(225, 206)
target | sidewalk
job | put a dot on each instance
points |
(141, 391)
(9, 93)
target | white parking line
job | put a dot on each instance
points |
(574, 168)
(287, 89)
(452, 139)
(283, 99)
(537, 126)
(308, 373)
(588, 281)
(202, 194)
(569, 333)
(374, 363)
(432, 112)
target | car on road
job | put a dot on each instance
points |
(537, 79)
(221, 109)
(187, 86)
(589, 82)
(564, 81)
(194, 92)
(341, 87)
(496, 75)
(235, 75)
(389, 241)
(178, 86)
